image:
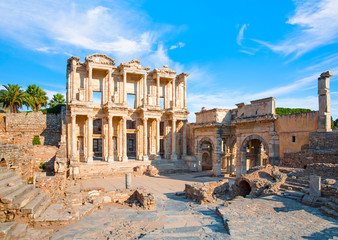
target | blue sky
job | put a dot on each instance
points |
(236, 51)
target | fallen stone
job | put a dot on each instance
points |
(329, 181)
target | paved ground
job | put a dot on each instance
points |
(178, 218)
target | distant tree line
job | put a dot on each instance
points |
(13, 97)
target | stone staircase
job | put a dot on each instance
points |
(12, 230)
(331, 208)
(19, 199)
(297, 185)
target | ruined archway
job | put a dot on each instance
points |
(206, 162)
(244, 188)
(254, 151)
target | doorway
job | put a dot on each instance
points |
(131, 145)
(97, 148)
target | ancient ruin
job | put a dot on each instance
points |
(123, 138)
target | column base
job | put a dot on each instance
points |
(158, 158)
(124, 159)
(110, 159)
(174, 157)
(89, 159)
(145, 158)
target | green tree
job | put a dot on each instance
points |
(38, 97)
(14, 97)
(57, 99)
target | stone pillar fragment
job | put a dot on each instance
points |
(324, 118)
(128, 180)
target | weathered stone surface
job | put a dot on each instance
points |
(261, 182)
(206, 192)
(329, 181)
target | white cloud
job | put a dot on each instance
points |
(240, 35)
(247, 52)
(316, 23)
(178, 45)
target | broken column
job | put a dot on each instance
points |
(128, 180)
(324, 118)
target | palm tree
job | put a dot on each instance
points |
(57, 99)
(38, 97)
(14, 97)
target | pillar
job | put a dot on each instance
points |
(158, 138)
(185, 138)
(73, 138)
(90, 88)
(173, 93)
(124, 140)
(185, 93)
(158, 89)
(90, 139)
(73, 79)
(173, 145)
(110, 85)
(324, 118)
(145, 89)
(145, 140)
(216, 167)
(124, 87)
(110, 139)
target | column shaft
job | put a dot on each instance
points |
(173, 93)
(124, 87)
(124, 140)
(185, 138)
(158, 123)
(74, 140)
(145, 89)
(158, 90)
(90, 89)
(110, 139)
(90, 139)
(185, 93)
(173, 147)
(73, 80)
(145, 139)
(110, 92)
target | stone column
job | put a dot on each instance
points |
(90, 88)
(173, 143)
(74, 63)
(184, 138)
(324, 118)
(124, 87)
(145, 140)
(158, 89)
(74, 139)
(173, 93)
(185, 93)
(216, 167)
(90, 139)
(110, 139)
(110, 92)
(158, 122)
(124, 140)
(145, 89)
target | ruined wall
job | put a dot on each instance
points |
(256, 108)
(20, 128)
(214, 115)
(294, 131)
(323, 148)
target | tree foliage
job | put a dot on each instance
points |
(57, 99)
(38, 97)
(14, 97)
(283, 111)
(334, 124)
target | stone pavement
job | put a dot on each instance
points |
(176, 217)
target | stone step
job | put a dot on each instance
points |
(5, 175)
(19, 231)
(41, 208)
(12, 180)
(329, 212)
(292, 187)
(332, 205)
(3, 169)
(34, 204)
(5, 228)
(8, 199)
(7, 190)
(334, 200)
(25, 198)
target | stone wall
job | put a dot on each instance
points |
(20, 128)
(322, 148)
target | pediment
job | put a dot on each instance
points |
(100, 59)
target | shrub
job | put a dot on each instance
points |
(42, 165)
(36, 140)
(283, 111)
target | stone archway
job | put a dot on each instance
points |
(206, 149)
(254, 152)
